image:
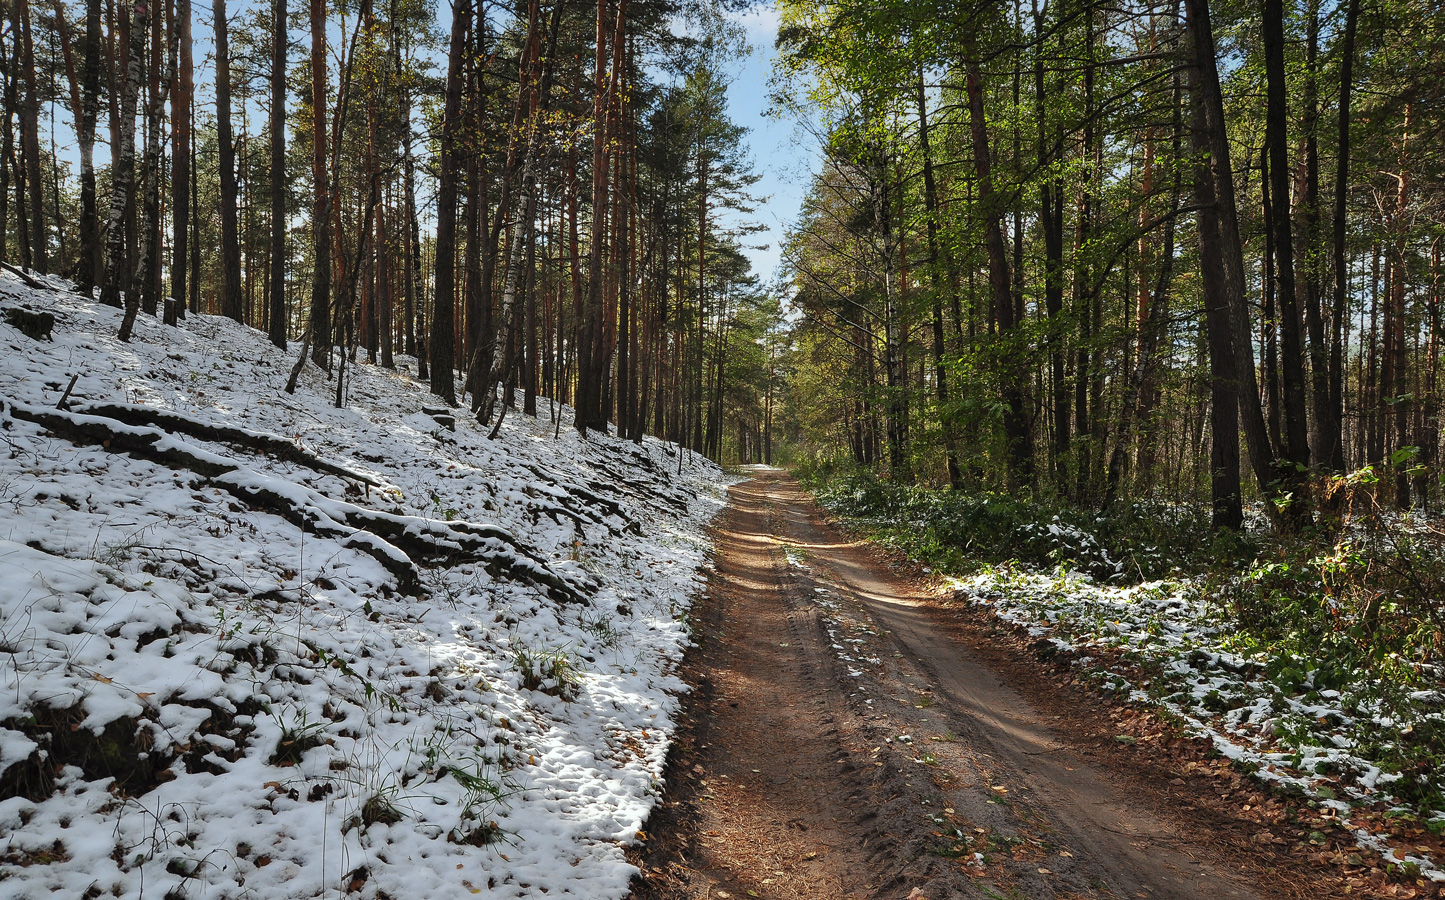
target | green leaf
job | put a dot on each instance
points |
(1404, 455)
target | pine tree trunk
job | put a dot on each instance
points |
(181, 100)
(408, 260)
(88, 268)
(30, 138)
(408, 346)
(1269, 317)
(7, 145)
(320, 317)
(1394, 402)
(123, 168)
(1296, 435)
(1224, 477)
(1311, 255)
(276, 290)
(384, 312)
(1051, 218)
(145, 281)
(117, 85)
(1225, 274)
(588, 410)
(1017, 436)
(1336, 456)
(232, 303)
(443, 327)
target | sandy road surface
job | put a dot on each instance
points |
(845, 743)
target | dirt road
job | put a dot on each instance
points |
(845, 742)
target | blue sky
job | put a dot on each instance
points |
(782, 154)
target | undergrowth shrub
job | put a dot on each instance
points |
(1357, 605)
(1365, 590)
(956, 531)
(551, 671)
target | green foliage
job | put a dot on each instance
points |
(956, 531)
(549, 671)
(1354, 607)
(487, 790)
(297, 736)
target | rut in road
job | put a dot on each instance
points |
(845, 744)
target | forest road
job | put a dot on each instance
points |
(842, 742)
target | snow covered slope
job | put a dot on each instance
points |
(454, 680)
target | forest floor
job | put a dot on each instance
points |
(856, 731)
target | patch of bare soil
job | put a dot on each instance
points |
(852, 735)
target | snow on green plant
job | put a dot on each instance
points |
(549, 670)
(1269, 712)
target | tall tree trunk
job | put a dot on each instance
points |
(1394, 389)
(895, 369)
(589, 413)
(371, 261)
(939, 283)
(443, 325)
(385, 313)
(1051, 217)
(117, 87)
(1374, 428)
(476, 284)
(194, 287)
(574, 261)
(1334, 427)
(529, 331)
(66, 41)
(147, 278)
(9, 81)
(410, 295)
(232, 303)
(89, 268)
(1018, 438)
(1219, 233)
(1312, 254)
(1084, 287)
(525, 233)
(1269, 318)
(123, 168)
(1296, 436)
(477, 298)
(181, 99)
(145, 281)
(276, 290)
(320, 318)
(1226, 502)
(408, 264)
(30, 138)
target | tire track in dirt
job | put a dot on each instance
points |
(843, 744)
